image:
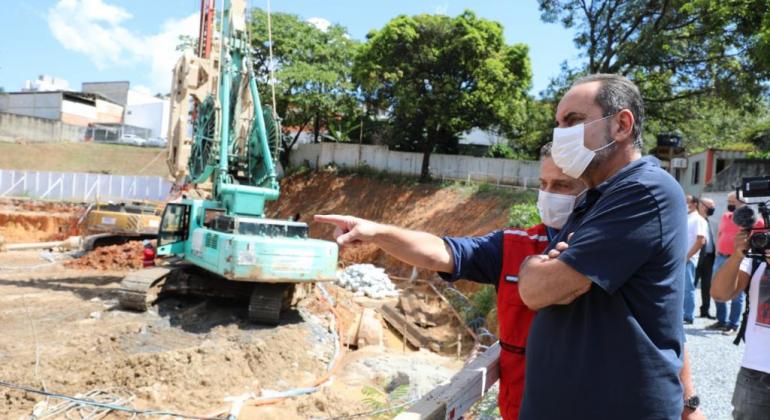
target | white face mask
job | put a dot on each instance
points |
(569, 151)
(554, 208)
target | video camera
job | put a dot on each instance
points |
(745, 217)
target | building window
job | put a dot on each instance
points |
(695, 173)
(721, 163)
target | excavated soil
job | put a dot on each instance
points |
(23, 221)
(126, 256)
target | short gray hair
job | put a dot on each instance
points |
(545, 151)
(615, 94)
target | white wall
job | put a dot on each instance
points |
(79, 109)
(108, 112)
(504, 171)
(147, 111)
(149, 115)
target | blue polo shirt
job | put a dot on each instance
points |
(616, 351)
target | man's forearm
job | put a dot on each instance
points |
(725, 285)
(685, 375)
(544, 282)
(699, 242)
(416, 248)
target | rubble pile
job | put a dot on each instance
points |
(367, 280)
(114, 257)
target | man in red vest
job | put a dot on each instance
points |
(493, 259)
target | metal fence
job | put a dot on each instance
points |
(81, 187)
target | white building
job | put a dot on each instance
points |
(147, 111)
(74, 108)
(140, 109)
(45, 83)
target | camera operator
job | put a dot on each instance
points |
(751, 398)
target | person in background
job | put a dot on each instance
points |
(751, 396)
(697, 235)
(706, 259)
(728, 322)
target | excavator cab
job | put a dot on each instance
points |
(174, 228)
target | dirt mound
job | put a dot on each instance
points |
(24, 221)
(25, 227)
(127, 256)
(47, 206)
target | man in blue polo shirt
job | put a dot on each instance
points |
(607, 342)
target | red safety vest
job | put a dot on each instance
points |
(148, 257)
(513, 315)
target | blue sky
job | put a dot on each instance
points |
(101, 40)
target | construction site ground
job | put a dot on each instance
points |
(64, 333)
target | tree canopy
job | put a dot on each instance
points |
(312, 71)
(692, 59)
(438, 76)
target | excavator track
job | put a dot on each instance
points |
(140, 289)
(266, 303)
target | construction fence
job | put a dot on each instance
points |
(81, 187)
(498, 171)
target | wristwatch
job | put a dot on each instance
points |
(692, 403)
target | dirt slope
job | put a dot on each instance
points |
(430, 207)
(23, 221)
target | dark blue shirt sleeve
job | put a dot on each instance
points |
(617, 237)
(477, 258)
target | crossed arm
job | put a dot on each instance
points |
(545, 280)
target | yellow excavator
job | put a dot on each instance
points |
(109, 223)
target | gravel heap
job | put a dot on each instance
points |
(366, 279)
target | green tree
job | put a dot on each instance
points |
(312, 72)
(438, 76)
(186, 42)
(500, 150)
(676, 49)
(701, 65)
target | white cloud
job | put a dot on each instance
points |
(98, 30)
(142, 89)
(442, 9)
(319, 23)
(162, 49)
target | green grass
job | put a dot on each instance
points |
(84, 157)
